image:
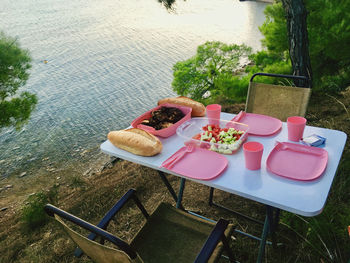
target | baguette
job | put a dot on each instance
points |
(198, 109)
(136, 141)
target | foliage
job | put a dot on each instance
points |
(33, 214)
(265, 61)
(230, 89)
(329, 35)
(210, 70)
(15, 108)
(329, 30)
(274, 29)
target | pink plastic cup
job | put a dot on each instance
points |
(213, 113)
(296, 126)
(253, 152)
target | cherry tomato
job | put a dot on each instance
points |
(197, 136)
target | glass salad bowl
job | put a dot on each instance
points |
(220, 136)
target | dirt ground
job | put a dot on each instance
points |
(91, 196)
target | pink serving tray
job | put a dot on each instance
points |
(166, 132)
(199, 164)
(259, 125)
(297, 162)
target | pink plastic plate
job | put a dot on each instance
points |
(297, 162)
(260, 125)
(199, 164)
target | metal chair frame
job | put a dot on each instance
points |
(295, 78)
(214, 238)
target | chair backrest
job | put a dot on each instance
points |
(97, 252)
(276, 100)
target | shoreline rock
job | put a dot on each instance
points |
(22, 175)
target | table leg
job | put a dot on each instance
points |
(181, 191)
(273, 226)
(270, 225)
(171, 189)
(263, 239)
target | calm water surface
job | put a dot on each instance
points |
(108, 62)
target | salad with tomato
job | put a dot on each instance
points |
(222, 140)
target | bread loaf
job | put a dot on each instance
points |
(136, 141)
(198, 109)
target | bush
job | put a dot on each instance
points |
(210, 71)
(33, 214)
(231, 89)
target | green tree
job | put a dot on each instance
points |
(294, 15)
(328, 36)
(15, 108)
(292, 47)
(211, 69)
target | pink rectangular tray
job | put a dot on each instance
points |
(163, 132)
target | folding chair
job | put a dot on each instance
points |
(169, 235)
(278, 101)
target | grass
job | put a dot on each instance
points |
(322, 238)
(77, 181)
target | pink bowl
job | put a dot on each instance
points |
(166, 132)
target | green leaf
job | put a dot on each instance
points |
(14, 65)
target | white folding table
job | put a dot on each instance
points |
(306, 198)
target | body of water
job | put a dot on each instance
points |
(107, 62)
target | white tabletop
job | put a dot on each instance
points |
(305, 198)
